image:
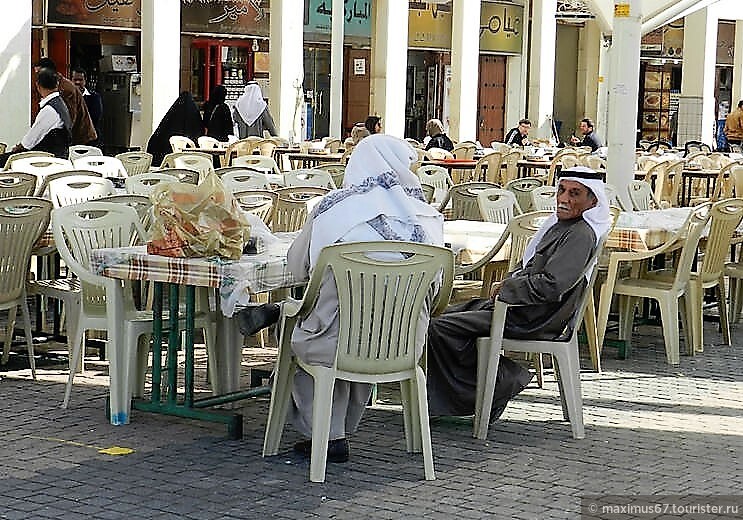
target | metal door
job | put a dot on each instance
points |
(491, 107)
(317, 89)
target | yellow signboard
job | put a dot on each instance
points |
(501, 27)
(621, 10)
(430, 27)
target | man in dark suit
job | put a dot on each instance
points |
(92, 99)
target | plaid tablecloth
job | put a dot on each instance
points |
(236, 280)
(470, 240)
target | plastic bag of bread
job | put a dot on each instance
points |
(197, 221)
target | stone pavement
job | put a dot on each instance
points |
(650, 429)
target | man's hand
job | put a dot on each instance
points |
(495, 289)
(18, 148)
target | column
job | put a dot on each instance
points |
(389, 62)
(624, 69)
(542, 67)
(15, 75)
(465, 62)
(161, 62)
(286, 95)
(336, 69)
(602, 101)
(696, 118)
(516, 77)
(738, 65)
(589, 64)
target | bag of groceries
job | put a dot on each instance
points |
(197, 221)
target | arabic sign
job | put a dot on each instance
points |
(96, 13)
(246, 17)
(357, 17)
(501, 27)
(429, 25)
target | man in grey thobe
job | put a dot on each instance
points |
(544, 293)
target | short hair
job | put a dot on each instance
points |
(358, 133)
(434, 127)
(80, 70)
(740, 104)
(47, 63)
(47, 78)
(525, 122)
(587, 121)
(371, 123)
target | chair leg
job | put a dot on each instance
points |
(589, 323)
(669, 316)
(72, 312)
(722, 307)
(736, 298)
(322, 408)
(687, 320)
(77, 347)
(29, 338)
(407, 416)
(569, 364)
(488, 359)
(539, 366)
(9, 334)
(281, 395)
(425, 427)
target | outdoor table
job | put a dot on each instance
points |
(310, 159)
(234, 281)
(470, 239)
(527, 166)
(688, 177)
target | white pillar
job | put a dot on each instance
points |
(389, 62)
(516, 77)
(15, 73)
(542, 67)
(161, 60)
(602, 101)
(336, 69)
(696, 118)
(624, 70)
(465, 62)
(286, 95)
(589, 64)
(738, 65)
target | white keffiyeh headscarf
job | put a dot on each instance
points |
(381, 199)
(597, 217)
(251, 104)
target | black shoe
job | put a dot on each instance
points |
(338, 449)
(256, 317)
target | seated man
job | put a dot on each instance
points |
(590, 138)
(544, 293)
(519, 136)
(51, 131)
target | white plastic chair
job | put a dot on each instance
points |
(258, 162)
(135, 162)
(308, 177)
(24, 155)
(564, 351)
(257, 202)
(500, 147)
(169, 160)
(22, 221)
(522, 189)
(641, 196)
(436, 176)
(107, 166)
(206, 141)
(145, 183)
(544, 198)
(196, 163)
(290, 210)
(488, 168)
(337, 172)
(245, 179)
(179, 143)
(377, 337)
(464, 200)
(81, 150)
(497, 205)
(17, 184)
(74, 189)
(41, 166)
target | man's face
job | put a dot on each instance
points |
(524, 129)
(584, 128)
(79, 80)
(573, 198)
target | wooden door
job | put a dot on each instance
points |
(491, 106)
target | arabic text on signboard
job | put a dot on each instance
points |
(356, 17)
(99, 13)
(501, 27)
(225, 17)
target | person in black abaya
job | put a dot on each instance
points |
(217, 118)
(182, 118)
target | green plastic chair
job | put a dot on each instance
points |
(379, 305)
(17, 184)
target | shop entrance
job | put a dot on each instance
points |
(317, 91)
(491, 105)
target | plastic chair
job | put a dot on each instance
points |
(439, 153)
(24, 155)
(641, 196)
(108, 166)
(435, 176)
(413, 142)
(43, 189)
(179, 143)
(135, 162)
(258, 162)
(22, 221)
(544, 198)
(332, 145)
(77, 231)
(522, 189)
(665, 290)
(74, 189)
(497, 205)
(696, 146)
(564, 351)
(377, 339)
(428, 192)
(668, 176)
(245, 179)
(239, 148)
(81, 150)
(499, 147)
(511, 163)
(141, 204)
(206, 141)
(308, 177)
(464, 151)
(17, 184)
(463, 199)
(169, 160)
(182, 174)
(336, 171)
(290, 210)
(725, 217)
(571, 161)
(613, 197)
(41, 166)
(725, 186)
(258, 202)
(594, 162)
(488, 168)
(145, 183)
(197, 163)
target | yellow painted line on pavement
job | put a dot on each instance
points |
(113, 450)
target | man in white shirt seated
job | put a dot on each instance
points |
(51, 131)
